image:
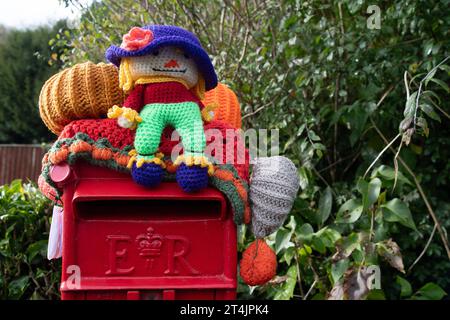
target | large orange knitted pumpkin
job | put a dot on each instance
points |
(228, 110)
(86, 90)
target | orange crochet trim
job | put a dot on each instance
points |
(121, 159)
(59, 155)
(70, 149)
(80, 146)
(228, 176)
(101, 153)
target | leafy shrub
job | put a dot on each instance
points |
(25, 272)
(26, 63)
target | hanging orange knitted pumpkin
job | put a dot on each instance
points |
(258, 264)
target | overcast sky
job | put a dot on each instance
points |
(31, 13)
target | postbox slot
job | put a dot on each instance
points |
(159, 209)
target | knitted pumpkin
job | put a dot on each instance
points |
(228, 109)
(258, 264)
(86, 90)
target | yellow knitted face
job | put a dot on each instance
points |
(166, 61)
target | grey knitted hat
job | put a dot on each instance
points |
(273, 187)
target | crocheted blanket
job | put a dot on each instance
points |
(101, 142)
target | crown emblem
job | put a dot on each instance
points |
(149, 246)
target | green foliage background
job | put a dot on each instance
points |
(26, 63)
(25, 271)
(339, 93)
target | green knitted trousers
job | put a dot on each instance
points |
(185, 117)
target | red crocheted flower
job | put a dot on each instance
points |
(136, 39)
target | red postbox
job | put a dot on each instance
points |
(123, 241)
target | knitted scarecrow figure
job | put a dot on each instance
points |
(165, 72)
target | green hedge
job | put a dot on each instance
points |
(25, 272)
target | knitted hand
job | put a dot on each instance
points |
(126, 117)
(208, 112)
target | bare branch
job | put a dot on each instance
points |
(421, 192)
(424, 249)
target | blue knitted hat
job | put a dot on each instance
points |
(170, 36)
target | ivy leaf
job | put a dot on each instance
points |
(17, 287)
(292, 224)
(390, 251)
(349, 212)
(304, 253)
(313, 136)
(429, 111)
(388, 173)
(345, 246)
(430, 291)
(288, 255)
(303, 178)
(376, 294)
(397, 211)
(318, 245)
(373, 191)
(405, 287)
(441, 83)
(305, 232)
(37, 248)
(370, 191)
(410, 105)
(282, 240)
(328, 236)
(287, 289)
(325, 204)
(338, 269)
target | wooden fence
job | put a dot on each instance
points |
(20, 161)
